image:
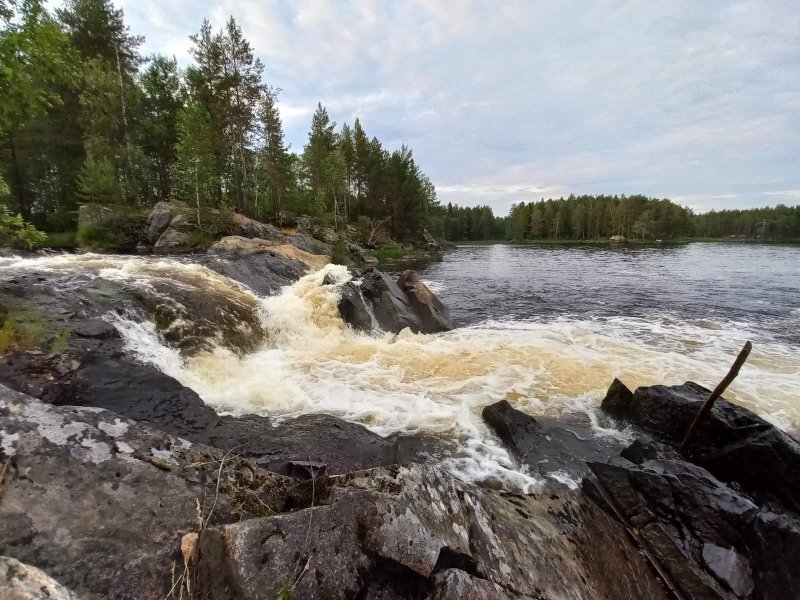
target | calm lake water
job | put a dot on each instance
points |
(756, 286)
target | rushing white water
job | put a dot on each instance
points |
(311, 361)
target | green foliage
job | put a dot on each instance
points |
(98, 181)
(117, 232)
(22, 330)
(391, 252)
(15, 232)
(285, 593)
(339, 253)
(58, 240)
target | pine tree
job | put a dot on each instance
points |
(163, 98)
(321, 143)
(195, 174)
(275, 160)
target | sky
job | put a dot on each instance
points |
(513, 101)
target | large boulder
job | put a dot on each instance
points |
(373, 297)
(390, 304)
(416, 532)
(250, 228)
(733, 443)
(550, 448)
(239, 245)
(101, 503)
(160, 218)
(434, 315)
(173, 241)
(706, 539)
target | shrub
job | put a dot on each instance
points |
(59, 239)
(390, 252)
(120, 231)
(15, 232)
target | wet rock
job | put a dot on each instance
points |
(237, 245)
(434, 316)
(96, 329)
(354, 309)
(710, 539)
(390, 305)
(19, 581)
(394, 306)
(264, 273)
(101, 503)
(415, 532)
(172, 241)
(733, 443)
(552, 449)
(453, 584)
(618, 239)
(309, 244)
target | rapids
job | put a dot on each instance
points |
(309, 361)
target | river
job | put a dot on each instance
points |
(545, 327)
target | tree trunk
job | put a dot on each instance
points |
(19, 183)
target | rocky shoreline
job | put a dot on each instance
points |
(120, 482)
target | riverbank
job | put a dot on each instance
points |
(218, 417)
(606, 242)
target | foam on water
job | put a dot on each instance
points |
(438, 384)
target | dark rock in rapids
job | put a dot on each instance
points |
(100, 502)
(733, 443)
(395, 306)
(708, 540)
(434, 315)
(555, 449)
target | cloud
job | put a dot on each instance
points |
(504, 102)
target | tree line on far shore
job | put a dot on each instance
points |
(598, 217)
(85, 117)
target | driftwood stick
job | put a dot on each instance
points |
(712, 397)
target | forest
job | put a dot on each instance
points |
(598, 217)
(85, 117)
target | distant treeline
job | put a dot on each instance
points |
(590, 217)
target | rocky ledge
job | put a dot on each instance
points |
(116, 481)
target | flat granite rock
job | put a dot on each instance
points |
(100, 502)
(416, 532)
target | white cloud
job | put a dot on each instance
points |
(507, 101)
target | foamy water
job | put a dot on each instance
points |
(311, 362)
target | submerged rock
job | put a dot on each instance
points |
(733, 443)
(552, 449)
